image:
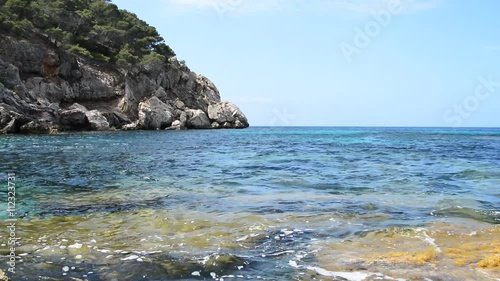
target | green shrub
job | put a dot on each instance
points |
(153, 57)
(76, 49)
(20, 27)
(93, 28)
(100, 57)
(125, 56)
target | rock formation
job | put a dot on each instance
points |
(44, 89)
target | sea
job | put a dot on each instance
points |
(263, 203)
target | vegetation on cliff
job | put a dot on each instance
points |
(93, 28)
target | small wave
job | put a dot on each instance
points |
(351, 276)
(489, 216)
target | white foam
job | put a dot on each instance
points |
(281, 253)
(428, 239)
(242, 238)
(351, 276)
(75, 246)
(131, 257)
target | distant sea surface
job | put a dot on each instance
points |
(294, 203)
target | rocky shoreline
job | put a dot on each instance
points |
(45, 89)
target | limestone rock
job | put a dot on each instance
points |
(215, 125)
(228, 115)
(180, 105)
(161, 94)
(38, 127)
(10, 128)
(130, 127)
(238, 124)
(15, 124)
(155, 114)
(9, 75)
(116, 119)
(74, 118)
(197, 119)
(37, 80)
(183, 118)
(177, 125)
(97, 121)
(3, 277)
(4, 117)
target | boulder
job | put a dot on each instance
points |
(9, 75)
(130, 127)
(74, 118)
(239, 125)
(183, 118)
(215, 125)
(226, 113)
(38, 127)
(161, 94)
(77, 106)
(155, 114)
(15, 124)
(116, 119)
(180, 105)
(97, 121)
(10, 128)
(177, 125)
(197, 119)
(4, 117)
(3, 277)
(11, 100)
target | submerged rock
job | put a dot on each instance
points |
(3, 277)
(223, 263)
(15, 124)
(480, 215)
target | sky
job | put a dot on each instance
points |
(341, 62)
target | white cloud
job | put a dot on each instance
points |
(354, 7)
(368, 6)
(252, 100)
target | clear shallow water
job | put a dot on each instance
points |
(261, 203)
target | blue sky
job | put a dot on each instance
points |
(341, 62)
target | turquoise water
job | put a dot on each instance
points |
(273, 202)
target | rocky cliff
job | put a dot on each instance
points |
(45, 89)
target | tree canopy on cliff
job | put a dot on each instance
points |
(93, 28)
